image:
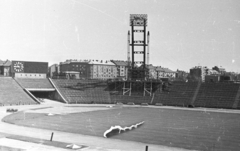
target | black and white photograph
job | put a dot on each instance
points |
(119, 75)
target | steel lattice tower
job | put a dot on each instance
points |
(138, 73)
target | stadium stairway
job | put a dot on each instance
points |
(83, 91)
(12, 94)
(195, 93)
(236, 104)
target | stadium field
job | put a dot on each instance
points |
(197, 130)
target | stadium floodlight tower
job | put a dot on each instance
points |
(137, 76)
(138, 71)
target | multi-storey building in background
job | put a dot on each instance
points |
(215, 74)
(88, 69)
(151, 72)
(5, 68)
(114, 69)
(53, 70)
(102, 70)
(198, 73)
(181, 75)
(76, 69)
(122, 68)
(158, 72)
(220, 70)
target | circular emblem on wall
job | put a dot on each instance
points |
(18, 67)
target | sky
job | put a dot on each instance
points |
(183, 33)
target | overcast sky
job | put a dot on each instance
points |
(183, 33)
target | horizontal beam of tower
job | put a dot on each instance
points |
(138, 31)
(138, 52)
(138, 44)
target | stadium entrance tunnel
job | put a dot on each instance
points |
(40, 94)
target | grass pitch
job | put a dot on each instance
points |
(187, 129)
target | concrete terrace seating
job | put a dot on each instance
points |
(34, 83)
(126, 98)
(180, 94)
(83, 91)
(12, 94)
(216, 95)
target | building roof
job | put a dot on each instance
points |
(221, 69)
(119, 62)
(75, 60)
(211, 71)
(54, 65)
(161, 69)
(5, 63)
(181, 71)
(199, 67)
(90, 61)
(150, 66)
(101, 62)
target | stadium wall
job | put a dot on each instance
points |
(29, 75)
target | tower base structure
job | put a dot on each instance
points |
(134, 88)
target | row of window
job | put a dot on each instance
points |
(161, 76)
(83, 66)
(78, 69)
(104, 76)
(104, 69)
(30, 75)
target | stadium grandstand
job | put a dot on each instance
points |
(217, 95)
(83, 91)
(30, 80)
(12, 93)
(177, 94)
